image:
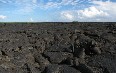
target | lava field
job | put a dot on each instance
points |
(74, 47)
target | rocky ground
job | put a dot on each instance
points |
(58, 47)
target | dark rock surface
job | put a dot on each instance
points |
(61, 69)
(58, 47)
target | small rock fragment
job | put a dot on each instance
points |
(43, 62)
(54, 68)
(68, 69)
(97, 50)
(61, 69)
(57, 57)
(26, 68)
(69, 61)
(84, 68)
(80, 53)
(76, 61)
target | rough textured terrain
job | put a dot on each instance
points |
(58, 47)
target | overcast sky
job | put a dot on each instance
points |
(57, 10)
